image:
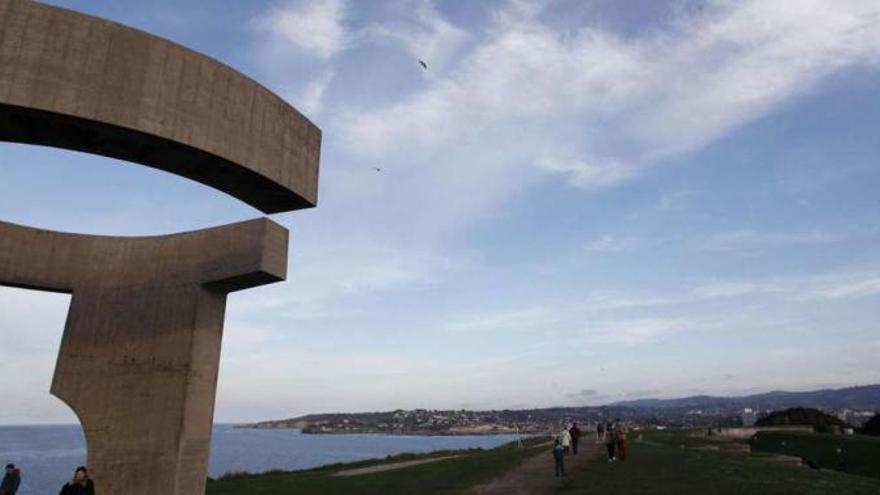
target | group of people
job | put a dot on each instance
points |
(565, 443)
(81, 484)
(613, 435)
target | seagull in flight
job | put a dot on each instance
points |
(423, 64)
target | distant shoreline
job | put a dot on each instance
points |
(529, 433)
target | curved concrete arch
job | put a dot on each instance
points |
(79, 82)
(139, 358)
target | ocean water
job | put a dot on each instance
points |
(47, 455)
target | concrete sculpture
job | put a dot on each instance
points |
(141, 347)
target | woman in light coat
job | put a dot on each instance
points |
(565, 439)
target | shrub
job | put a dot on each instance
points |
(801, 416)
(872, 427)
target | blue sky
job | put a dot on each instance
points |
(579, 202)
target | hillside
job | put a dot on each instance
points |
(699, 410)
(864, 397)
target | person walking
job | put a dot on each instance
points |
(600, 432)
(565, 439)
(610, 441)
(81, 484)
(575, 433)
(11, 480)
(559, 458)
(620, 432)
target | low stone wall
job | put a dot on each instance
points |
(745, 433)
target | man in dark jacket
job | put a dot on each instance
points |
(575, 433)
(11, 481)
(81, 484)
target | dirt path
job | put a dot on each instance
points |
(535, 475)
(391, 467)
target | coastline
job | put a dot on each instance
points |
(409, 433)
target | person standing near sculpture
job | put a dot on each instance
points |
(610, 441)
(11, 480)
(565, 439)
(81, 484)
(575, 433)
(620, 432)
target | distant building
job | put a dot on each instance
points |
(748, 417)
(854, 418)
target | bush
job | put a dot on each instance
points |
(854, 454)
(872, 427)
(800, 416)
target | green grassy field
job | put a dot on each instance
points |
(441, 477)
(661, 462)
(852, 454)
(673, 462)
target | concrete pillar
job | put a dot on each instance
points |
(141, 347)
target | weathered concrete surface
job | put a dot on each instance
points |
(139, 358)
(75, 81)
(141, 348)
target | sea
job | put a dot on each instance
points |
(47, 455)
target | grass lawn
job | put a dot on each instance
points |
(659, 465)
(446, 476)
(855, 454)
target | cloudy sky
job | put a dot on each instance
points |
(580, 202)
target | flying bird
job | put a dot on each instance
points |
(377, 169)
(423, 64)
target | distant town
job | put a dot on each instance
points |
(853, 406)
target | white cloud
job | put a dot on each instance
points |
(590, 175)
(315, 28)
(728, 289)
(508, 321)
(833, 286)
(751, 239)
(787, 352)
(642, 317)
(599, 108)
(609, 243)
(563, 319)
(321, 280)
(864, 286)
(614, 300)
(426, 35)
(310, 101)
(634, 332)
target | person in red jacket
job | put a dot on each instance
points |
(620, 432)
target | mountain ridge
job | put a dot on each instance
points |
(679, 411)
(857, 397)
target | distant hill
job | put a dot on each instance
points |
(700, 410)
(865, 397)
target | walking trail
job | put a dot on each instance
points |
(535, 475)
(390, 467)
